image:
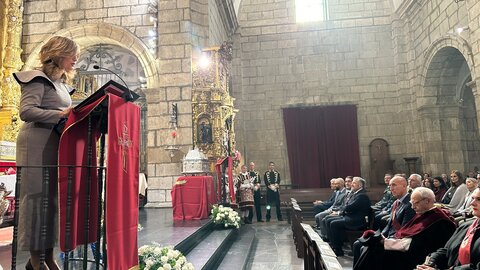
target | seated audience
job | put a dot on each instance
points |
(455, 195)
(383, 208)
(462, 251)
(387, 197)
(414, 181)
(427, 183)
(335, 213)
(341, 194)
(351, 217)
(401, 213)
(446, 179)
(319, 206)
(465, 209)
(429, 229)
(439, 188)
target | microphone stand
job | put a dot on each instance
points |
(128, 96)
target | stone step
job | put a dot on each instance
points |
(210, 251)
(240, 251)
(195, 238)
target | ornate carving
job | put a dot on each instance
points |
(9, 90)
(212, 104)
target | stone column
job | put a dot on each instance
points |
(182, 28)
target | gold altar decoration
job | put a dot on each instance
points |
(10, 39)
(212, 106)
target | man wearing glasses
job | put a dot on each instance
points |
(428, 230)
(462, 251)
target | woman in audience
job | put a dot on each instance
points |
(439, 188)
(455, 195)
(446, 179)
(465, 209)
(427, 183)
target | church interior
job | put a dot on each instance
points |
(321, 88)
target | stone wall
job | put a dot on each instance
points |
(216, 27)
(183, 30)
(369, 53)
(424, 28)
(340, 61)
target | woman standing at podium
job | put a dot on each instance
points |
(45, 100)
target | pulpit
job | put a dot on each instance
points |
(192, 197)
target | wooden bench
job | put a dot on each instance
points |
(296, 220)
(353, 235)
(317, 254)
(306, 197)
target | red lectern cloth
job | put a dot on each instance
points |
(72, 151)
(121, 198)
(192, 197)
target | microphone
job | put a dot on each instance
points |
(128, 95)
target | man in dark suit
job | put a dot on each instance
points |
(352, 216)
(401, 213)
(320, 206)
(257, 197)
(341, 192)
(272, 182)
(462, 251)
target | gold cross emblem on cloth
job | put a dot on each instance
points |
(125, 143)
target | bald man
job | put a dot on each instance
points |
(401, 213)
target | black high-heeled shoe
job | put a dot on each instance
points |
(29, 266)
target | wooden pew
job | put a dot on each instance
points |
(305, 198)
(317, 254)
(296, 220)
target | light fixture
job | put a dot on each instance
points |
(204, 61)
(459, 30)
(172, 148)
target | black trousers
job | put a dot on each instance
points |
(273, 198)
(257, 198)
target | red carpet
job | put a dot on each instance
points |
(6, 236)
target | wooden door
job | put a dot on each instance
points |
(380, 162)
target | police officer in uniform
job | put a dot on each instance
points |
(257, 196)
(272, 182)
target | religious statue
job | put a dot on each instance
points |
(205, 132)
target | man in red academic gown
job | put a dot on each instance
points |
(428, 230)
(462, 251)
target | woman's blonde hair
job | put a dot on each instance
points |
(53, 52)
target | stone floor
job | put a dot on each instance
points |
(273, 248)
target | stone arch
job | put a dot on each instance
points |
(434, 59)
(87, 35)
(445, 103)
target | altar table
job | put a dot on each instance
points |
(192, 197)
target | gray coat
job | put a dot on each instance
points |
(37, 145)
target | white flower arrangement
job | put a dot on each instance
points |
(225, 216)
(155, 257)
